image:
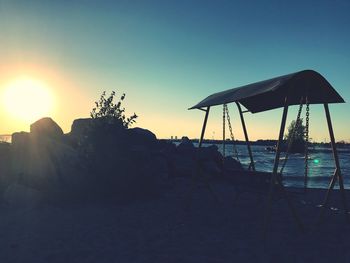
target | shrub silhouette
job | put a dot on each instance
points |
(106, 132)
(110, 112)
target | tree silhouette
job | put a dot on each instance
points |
(296, 136)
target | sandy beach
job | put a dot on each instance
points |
(160, 229)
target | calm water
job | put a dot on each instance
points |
(321, 165)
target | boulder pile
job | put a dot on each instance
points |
(96, 160)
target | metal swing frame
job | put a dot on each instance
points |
(278, 92)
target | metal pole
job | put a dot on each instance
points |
(196, 175)
(204, 126)
(246, 136)
(199, 168)
(325, 202)
(337, 174)
(275, 168)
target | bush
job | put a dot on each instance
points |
(106, 132)
(110, 112)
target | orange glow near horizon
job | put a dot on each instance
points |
(29, 92)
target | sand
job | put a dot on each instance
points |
(161, 229)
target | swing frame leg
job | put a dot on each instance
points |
(337, 173)
(327, 197)
(252, 165)
(197, 175)
(275, 180)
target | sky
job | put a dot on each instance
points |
(169, 55)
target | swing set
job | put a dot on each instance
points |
(303, 87)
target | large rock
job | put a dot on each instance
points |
(210, 160)
(79, 132)
(99, 131)
(186, 145)
(181, 165)
(210, 153)
(182, 161)
(139, 137)
(80, 127)
(49, 166)
(232, 164)
(20, 139)
(46, 127)
(6, 177)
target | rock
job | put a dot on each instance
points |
(141, 137)
(49, 166)
(79, 132)
(185, 145)
(98, 129)
(46, 127)
(20, 139)
(210, 159)
(210, 153)
(180, 160)
(167, 147)
(211, 168)
(96, 133)
(80, 127)
(181, 165)
(232, 164)
(109, 160)
(5, 166)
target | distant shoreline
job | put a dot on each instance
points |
(5, 138)
(260, 142)
(341, 144)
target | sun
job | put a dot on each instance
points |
(27, 99)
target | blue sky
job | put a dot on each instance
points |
(168, 55)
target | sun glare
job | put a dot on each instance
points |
(27, 99)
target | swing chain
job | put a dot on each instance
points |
(306, 144)
(231, 132)
(223, 131)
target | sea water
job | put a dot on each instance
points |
(321, 164)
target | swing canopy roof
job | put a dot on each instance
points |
(271, 94)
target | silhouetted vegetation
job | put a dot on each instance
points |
(296, 136)
(105, 128)
(117, 155)
(111, 112)
(298, 129)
